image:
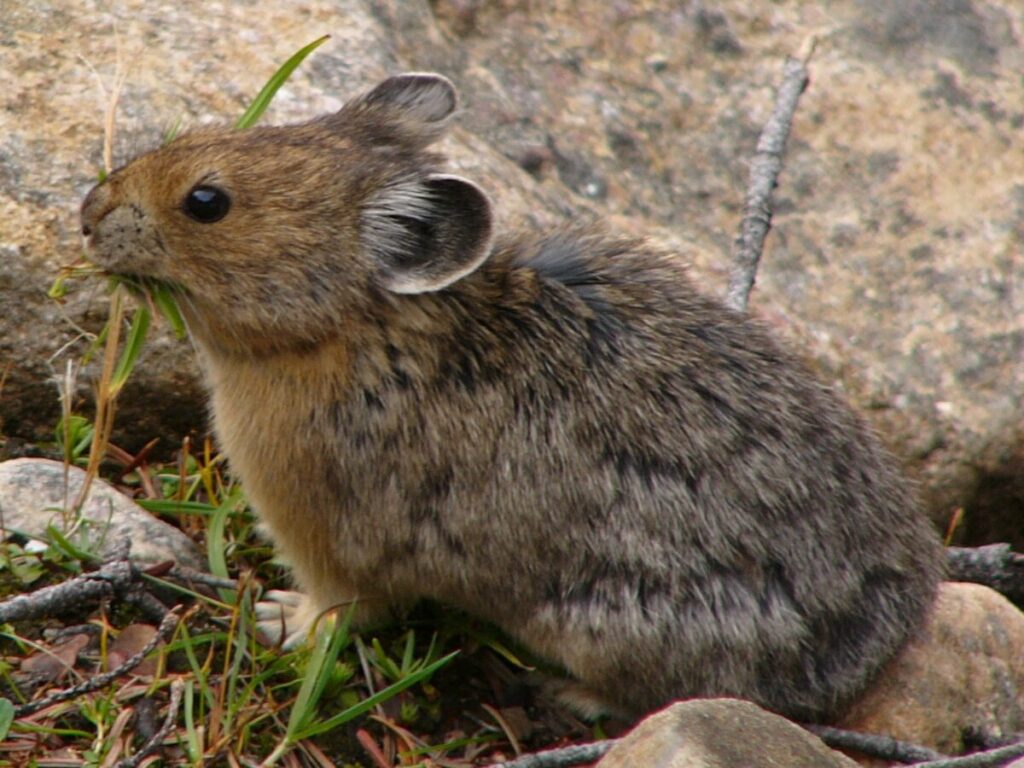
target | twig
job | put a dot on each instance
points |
(117, 577)
(151, 746)
(186, 575)
(873, 745)
(994, 565)
(578, 754)
(151, 608)
(113, 578)
(988, 759)
(764, 174)
(99, 681)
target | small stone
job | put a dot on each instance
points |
(960, 677)
(709, 733)
(33, 495)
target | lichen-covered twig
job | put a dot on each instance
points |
(185, 575)
(991, 758)
(873, 745)
(151, 746)
(96, 682)
(994, 565)
(118, 577)
(764, 174)
(113, 578)
(579, 754)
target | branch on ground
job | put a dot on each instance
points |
(117, 578)
(994, 565)
(96, 682)
(990, 758)
(578, 754)
(873, 745)
(154, 743)
(764, 175)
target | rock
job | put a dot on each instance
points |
(33, 496)
(715, 733)
(959, 680)
(895, 256)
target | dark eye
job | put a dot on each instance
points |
(207, 204)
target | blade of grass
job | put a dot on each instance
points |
(318, 672)
(173, 507)
(322, 659)
(193, 733)
(104, 399)
(371, 701)
(59, 542)
(264, 97)
(217, 545)
(132, 348)
(381, 660)
(410, 646)
(6, 717)
(168, 306)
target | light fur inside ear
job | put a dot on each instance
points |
(424, 235)
(422, 96)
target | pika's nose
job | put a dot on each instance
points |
(95, 206)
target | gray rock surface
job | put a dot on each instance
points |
(720, 733)
(896, 255)
(34, 495)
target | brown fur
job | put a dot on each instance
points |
(556, 433)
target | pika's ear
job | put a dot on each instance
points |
(423, 101)
(425, 235)
(423, 96)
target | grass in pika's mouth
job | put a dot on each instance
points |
(156, 293)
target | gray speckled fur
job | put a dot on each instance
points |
(569, 441)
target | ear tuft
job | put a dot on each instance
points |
(425, 235)
(421, 96)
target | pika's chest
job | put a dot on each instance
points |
(310, 445)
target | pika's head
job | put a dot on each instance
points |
(287, 231)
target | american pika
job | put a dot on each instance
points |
(555, 432)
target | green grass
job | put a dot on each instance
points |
(405, 688)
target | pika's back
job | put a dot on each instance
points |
(656, 487)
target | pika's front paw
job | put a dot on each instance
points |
(285, 617)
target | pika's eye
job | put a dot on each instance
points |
(207, 204)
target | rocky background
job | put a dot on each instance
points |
(896, 255)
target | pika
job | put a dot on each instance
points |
(555, 432)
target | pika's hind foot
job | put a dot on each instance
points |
(581, 700)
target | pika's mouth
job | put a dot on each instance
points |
(142, 286)
(162, 294)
